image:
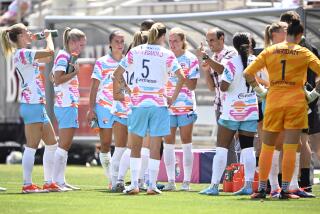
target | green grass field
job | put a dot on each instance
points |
(94, 198)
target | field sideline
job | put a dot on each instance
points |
(94, 198)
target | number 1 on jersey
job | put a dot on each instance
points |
(283, 62)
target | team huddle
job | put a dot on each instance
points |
(141, 97)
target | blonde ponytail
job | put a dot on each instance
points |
(156, 31)
(9, 37)
(267, 36)
(73, 34)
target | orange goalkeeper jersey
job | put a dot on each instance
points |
(287, 65)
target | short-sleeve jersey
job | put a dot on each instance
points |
(223, 56)
(67, 93)
(32, 80)
(186, 102)
(287, 65)
(150, 65)
(103, 71)
(239, 102)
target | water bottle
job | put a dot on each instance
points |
(73, 60)
(41, 35)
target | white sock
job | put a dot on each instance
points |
(105, 159)
(60, 161)
(294, 181)
(170, 161)
(218, 165)
(27, 164)
(249, 161)
(115, 162)
(145, 154)
(273, 175)
(48, 162)
(153, 172)
(135, 166)
(187, 161)
(124, 164)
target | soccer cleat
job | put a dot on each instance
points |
(160, 186)
(64, 188)
(120, 187)
(53, 187)
(143, 187)
(153, 191)
(261, 194)
(185, 186)
(244, 191)
(170, 186)
(275, 193)
(287, 195)
(2, 189)
(32, 188)
(131, 190)
(302, 194)
(209, 191)
(71, 187)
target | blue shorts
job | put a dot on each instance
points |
(182, 120)
(33, 113)
(249, 126)
(155, 119)
(123, 121)
(67, 117)
(105, 118)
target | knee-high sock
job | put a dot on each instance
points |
(294, 181)
(115, 162)
(187, 161)
(135, 165)
(27, 164)
(288, 164)
(170, 161)
(105, 159)
(274, 172)
(153, 172)
(124, 165)
(48, 162)
(145, 154)
(265, 162)
(60, 161)
(249, 161)
(218, 165)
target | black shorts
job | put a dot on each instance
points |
(313, 121)
(260, 112)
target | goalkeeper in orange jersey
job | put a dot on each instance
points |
(287, 65)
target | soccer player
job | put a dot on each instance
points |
(151, 64)
(111, 115)
(239, 114)
(32, 108)
(287, 65)
(182, 111)
(66, 88)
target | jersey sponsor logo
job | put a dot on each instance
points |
(245, 95)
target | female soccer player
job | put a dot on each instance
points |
(109, 113)
(182, 111)
(66, 88)
(15, 40)
(287, 65)
(150, 63)
(239, 114)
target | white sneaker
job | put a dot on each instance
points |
(71, 187)
(170, 186)
(64, 188)
(153, 191)
(131, 190)
(185, 186)
(2, 189)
